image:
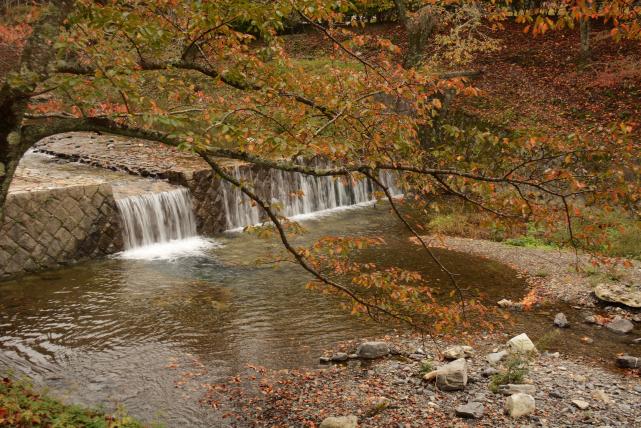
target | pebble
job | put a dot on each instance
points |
(581, 404)
(510, 389)
(560, 320)
(340, 422)
(495, 357)
(471, 410)
(456, 352)
(489, 371)
(556, 394)
(339, 357)
(600, 395)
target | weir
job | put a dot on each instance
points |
(296, 194)
(156, 218)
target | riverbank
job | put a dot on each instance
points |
(569, 388)
(391, 391)
(556, 274)
(22, 406)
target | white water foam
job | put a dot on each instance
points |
(190, 247)
(160, 226)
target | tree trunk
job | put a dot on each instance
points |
(584, 28)
(419, 28)
(35, 59)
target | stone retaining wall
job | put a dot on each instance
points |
(49, 228)
(149, 159)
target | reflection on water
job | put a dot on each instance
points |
(132, 331)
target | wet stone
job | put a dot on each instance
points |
(620, 325)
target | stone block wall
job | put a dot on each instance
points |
(49, 228)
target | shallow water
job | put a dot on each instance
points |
(147, 333)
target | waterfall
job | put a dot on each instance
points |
(156, 218)
(296, 194)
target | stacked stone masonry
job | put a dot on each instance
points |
(150, 159)
(50, 228)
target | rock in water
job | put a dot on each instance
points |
(628, 362)
(456, 352)
(520, 404)
(560, 320)
(452, 376)
(472, 410)
(620, 325)
(521, 344)
(371, 350)
(340, 422)
(619, 293)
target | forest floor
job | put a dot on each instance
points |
(536, 84)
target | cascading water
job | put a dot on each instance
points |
(297, 194)
(159, 225)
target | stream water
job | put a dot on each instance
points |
(147, 333)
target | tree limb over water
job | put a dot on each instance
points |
(215, 78)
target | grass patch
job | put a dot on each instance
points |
(427, 366)
(21, 406)
(516, 368)
(529, 241)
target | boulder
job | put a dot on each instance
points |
(371, 350)
(340, 422)
(495, 357)
(628, 362)
(512, 388)
(452, 376)
(520, 404)
(471, 410)
(560, 320)
(521, 344)
(620, 325)
(456, 352)
(619, 293)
